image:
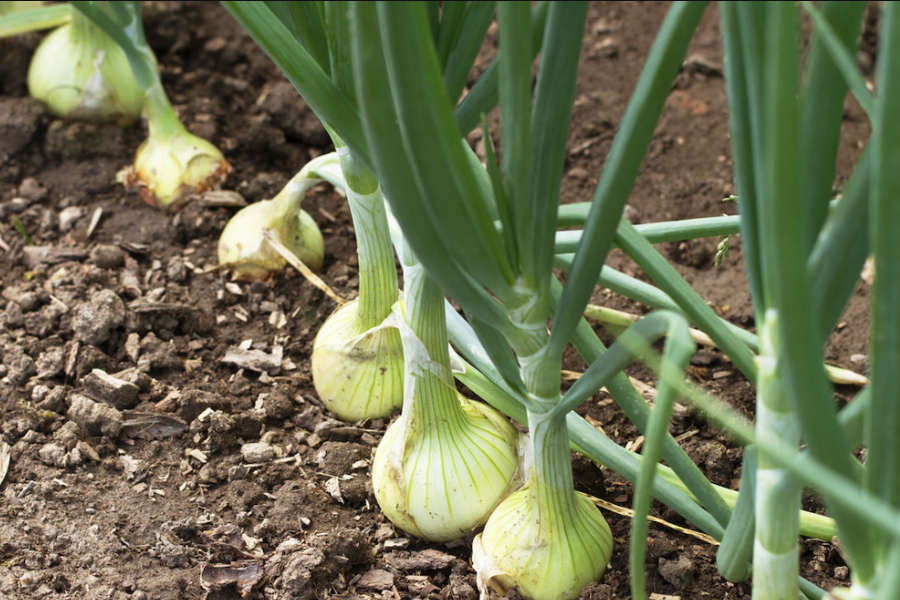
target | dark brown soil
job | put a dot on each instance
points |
(214, 455)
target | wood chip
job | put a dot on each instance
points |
(333, 487)
(103, 387)
(223, 199)
(376, 579)
(95, 220)
(419, 561)
(243, 574)
(5, 458)
(49, 255)
(152, 425)
(255, 360)
(197, 454)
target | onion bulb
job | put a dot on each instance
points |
(546, 540)
(357, 361)
(444, 465)
(243, 246)
(358, 373)
(441, 480)
(79, 72)
(172, 163)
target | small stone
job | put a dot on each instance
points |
(579, 173)
(13, 316)
(39, 392)
(93, 321)
(55, 401)
(103, 387)
(156, 354)
(68, 435)
(679, 573)
(95, 418)
(704, 358)
(68, 216)
(135, 376)
(52, 455)
(51, 362)
(376, 579)
(257, 452)
(20, 366)
(176, 269)
(27, 299)
(32, 190)
(107, 256)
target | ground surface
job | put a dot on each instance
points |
(103, 510)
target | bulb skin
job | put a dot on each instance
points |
(244, 249)
(167, 170)
(549, 546)
(357, 375)
(442, 481)
(87, 78)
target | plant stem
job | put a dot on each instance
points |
(378, 287)
(549, 466)
(161, 117)
(775, 553)
(433, 400)
(35, 19)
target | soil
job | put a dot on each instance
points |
(150, 487)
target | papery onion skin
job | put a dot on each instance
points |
(79, 72)
(358, 375)
(440, 483)
(547, 550)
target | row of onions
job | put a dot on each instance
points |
(487, 238)
(387, 79)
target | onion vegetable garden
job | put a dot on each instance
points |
(498, 277)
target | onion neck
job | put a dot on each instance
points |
(550, 466)
(430, 400)
(161, 118)
(378, 287)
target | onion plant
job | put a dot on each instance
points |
(446, 463)
(357, 361)
(172, 163)
(244, 245)
(487, 238)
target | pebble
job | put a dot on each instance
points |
(53, 455)
(30, 189)
(257, 452)
(93, 321)
(107, 256)
(679, 573)
(68, 216)
(95, 418)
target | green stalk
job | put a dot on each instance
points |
(162, 120)
(125, 26)
(571, 215)
(378, 287)
(547, 449)
(34, 19)
(883, 420)
(775, 550)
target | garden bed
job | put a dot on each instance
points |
(218, 449)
